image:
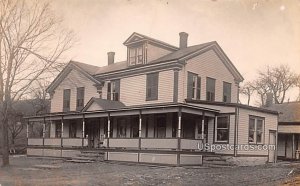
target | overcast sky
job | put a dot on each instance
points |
(253, 33)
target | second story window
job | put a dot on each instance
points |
(193, 86)
(152, 86)
(210, 89)
(226, 92)
(66, 100)
(113, 90)
(80, 98)
(136, 55)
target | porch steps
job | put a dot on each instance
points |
(87, 157)
(216, 161)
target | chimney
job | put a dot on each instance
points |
(111, 57)
(269, 99)
(183, 40)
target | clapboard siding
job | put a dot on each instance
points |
(210, 65)
(74, 80)
(155, 52)
(133, 89)
(289, 129)
(243, 128)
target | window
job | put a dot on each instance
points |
(210, 89)
(113, 90)
(160, 129)
(226, 92)
(121, 128)
(66, 101)
(256, 129)
(72, 131)
(57, 130)
(134, 127)
(136, 55)
(80, 98)
(152, 87)
(193, 86)
(222, 129)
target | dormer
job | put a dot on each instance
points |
(142, 49)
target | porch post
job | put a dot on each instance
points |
(83, 129)
(293, 146)
(179, 124)
(140, 128)
(27, 131)
(202, 125)
(62, 130)
(108, 129)
(179, 136)
(44, 131)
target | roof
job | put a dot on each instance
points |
(91, 69)
(104, 104)
(113, 67)
(288, 112)
(248, 107)
(182, 52)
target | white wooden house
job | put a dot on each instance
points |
(161, 105)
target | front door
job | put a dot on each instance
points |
(272, 147)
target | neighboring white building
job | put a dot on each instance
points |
(158, 106)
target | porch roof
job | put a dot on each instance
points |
(128, 110)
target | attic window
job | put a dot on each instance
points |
(136, 55)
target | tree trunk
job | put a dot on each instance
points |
(5, 145)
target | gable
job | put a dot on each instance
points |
(221, 57)
(65, 72)
(93, 106)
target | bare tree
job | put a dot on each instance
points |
(248, 90)
(31, 43)
(277, 80)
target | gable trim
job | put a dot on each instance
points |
(146, 38)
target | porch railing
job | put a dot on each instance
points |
(154, 143)
(58, 142)
(123, 143)
(130, 143)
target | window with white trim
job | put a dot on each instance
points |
(256, 130)
(113, 90)
(193, 86)
(222, 129)
(210, 89)
(136, 55)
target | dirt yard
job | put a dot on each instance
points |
(33, 171)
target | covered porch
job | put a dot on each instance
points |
(171, 127)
